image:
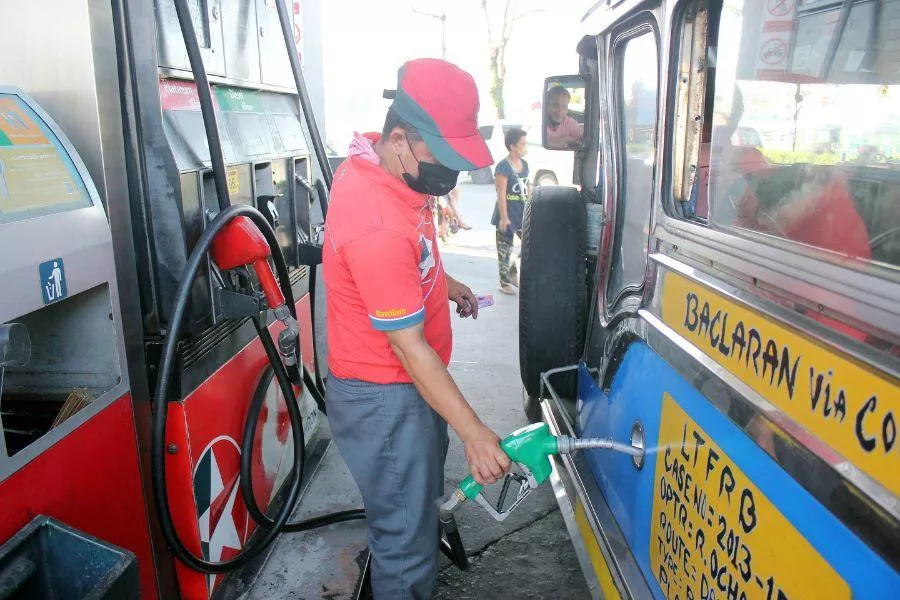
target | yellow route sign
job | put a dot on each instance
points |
(714, 534)
(847, 405)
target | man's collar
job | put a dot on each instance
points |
(378, 174)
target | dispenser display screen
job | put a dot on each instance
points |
(37, 176)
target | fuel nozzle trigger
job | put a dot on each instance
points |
(529, 448)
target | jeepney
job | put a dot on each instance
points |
(731, 308)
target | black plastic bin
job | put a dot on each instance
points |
(49, 560)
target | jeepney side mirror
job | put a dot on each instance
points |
(563, 112)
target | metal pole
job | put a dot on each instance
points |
(444, 35)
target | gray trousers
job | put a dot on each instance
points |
(395, 446)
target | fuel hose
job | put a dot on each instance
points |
(160, 403)
(247, 444)
(270, 526)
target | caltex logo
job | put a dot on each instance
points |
(221, 514)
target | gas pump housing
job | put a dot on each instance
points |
(110, 85)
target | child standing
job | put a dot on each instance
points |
(511, 182)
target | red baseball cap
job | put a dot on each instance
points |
(441, 101)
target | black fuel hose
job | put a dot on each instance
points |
(247, 443)
(322, 194)
(271, 527)
(160, 404)
(287, 34)
(195, 58)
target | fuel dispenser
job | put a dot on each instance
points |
(65, 409)
(159, 385)
(91, 274)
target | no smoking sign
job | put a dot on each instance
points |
(780, 8)
(773, 52)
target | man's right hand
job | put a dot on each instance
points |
(505, 224)
(487, 462)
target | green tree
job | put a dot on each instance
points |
(499, 31)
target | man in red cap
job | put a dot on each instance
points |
(389, 394)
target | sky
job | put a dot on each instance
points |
(366, 41)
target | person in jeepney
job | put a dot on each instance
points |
(729, 164)
(806, 203)
(563, 131)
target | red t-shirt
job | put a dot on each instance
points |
(382, 272)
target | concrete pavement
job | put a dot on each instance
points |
(529, 555)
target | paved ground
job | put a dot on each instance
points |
(529, 555)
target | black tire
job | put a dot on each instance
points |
(483, 176)
(545, 178)
(552, 290)
(532, 407)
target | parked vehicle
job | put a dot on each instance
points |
(739, 318)
(547, 167)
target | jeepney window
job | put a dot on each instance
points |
(637, 72)
(805, 141)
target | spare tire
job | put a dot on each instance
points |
(552, 291)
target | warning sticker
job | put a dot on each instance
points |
(714, 534)
(36, 175)
(233, 177)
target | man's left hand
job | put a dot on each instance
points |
(466, 303)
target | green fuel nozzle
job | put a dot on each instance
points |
(529, 447)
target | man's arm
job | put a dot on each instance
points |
(487, 462)
(384, 266)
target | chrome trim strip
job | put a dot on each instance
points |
(851, 292)
(862, 504)
(564, 491)
(625, 571)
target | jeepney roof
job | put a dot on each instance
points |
(603, 14)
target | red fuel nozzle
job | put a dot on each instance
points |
(241, 243)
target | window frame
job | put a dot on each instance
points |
(863, 293)
(641, 24)
(676, 146)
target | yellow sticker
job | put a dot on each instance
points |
(714, 534)
(234, 181)
(35, 177)
(850, 407)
